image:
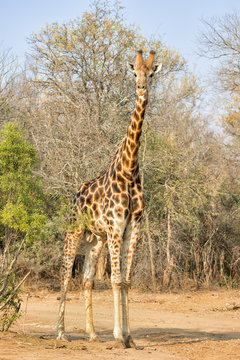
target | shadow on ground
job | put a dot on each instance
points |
(159, 337)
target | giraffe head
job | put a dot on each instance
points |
(144, 71)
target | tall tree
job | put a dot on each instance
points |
(21, 214)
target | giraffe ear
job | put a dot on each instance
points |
(131, 67)
(157, 68)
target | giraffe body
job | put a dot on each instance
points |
(116, 203)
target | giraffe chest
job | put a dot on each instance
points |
(112, 203)
(124, 204)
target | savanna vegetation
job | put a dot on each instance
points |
(62, 118)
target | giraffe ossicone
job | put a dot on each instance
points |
(116, 203)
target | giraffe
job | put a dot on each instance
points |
(116, 203)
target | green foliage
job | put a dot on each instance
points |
(22, 198)
(22, 215)
(64, 218)
(45, 254)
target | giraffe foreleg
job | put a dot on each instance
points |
(129, 245)
(114, 245)
(71, 244)
(90, 263)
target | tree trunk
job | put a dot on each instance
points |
(148, 234)
(197, 272)
(168, 271)
(151, 254)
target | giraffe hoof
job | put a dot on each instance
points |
(94, 338)
(119, 344)
(130, 343)
(63, 337)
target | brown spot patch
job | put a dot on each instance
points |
(125, 160)
(109, 213)
(140, 125)
(94, 206)
(96, 213)
(135, 114)
(138, 215)
(139, 187)
(96, 196)
(135, 151)
(101, 180)
(112, 170)
(89, 199)
(116, 198)
(126, 212)
(83, 187)
(134, 125)
(132, 146)
(81, 200)
(108, 193)
(93, 187)
(120, 178)
(131, 135)
(135, 203)
(115, 187)
(124, 200)
(119, 166)
(122, 186)
(133, 192)
(138, 136)
(119, 211)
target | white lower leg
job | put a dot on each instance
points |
(60, 324)
(117, 332)
(89, 273)
(88, 307)
(71, 243)
(125, 312)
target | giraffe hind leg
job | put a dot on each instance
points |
(91, 258)
(71, 244)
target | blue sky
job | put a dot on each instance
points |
(178, 22)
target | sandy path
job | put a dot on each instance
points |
(193, 325)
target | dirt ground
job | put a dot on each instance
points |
(193, 325)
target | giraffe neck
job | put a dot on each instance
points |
(131, 142)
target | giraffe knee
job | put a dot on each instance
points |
(87, 284)
(126, 285)
(116, 281)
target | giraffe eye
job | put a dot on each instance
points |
(151, 75)
(135, 74)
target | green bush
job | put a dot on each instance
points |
(22, 214)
